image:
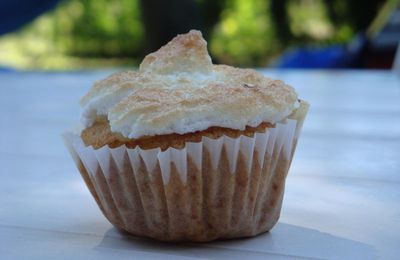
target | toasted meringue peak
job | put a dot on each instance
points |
(178, 90)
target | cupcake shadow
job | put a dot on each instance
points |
(283, 241)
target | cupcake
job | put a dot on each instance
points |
(184, 150)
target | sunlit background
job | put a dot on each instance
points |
(88, 34)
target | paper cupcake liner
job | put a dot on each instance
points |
(216, 188)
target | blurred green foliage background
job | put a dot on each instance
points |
(81, 34)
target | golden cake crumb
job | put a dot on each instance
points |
(100, 134)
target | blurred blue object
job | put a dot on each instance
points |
(16, 13)
(6, 69)
(334, 56)
(331, 57)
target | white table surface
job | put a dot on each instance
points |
(342, 195)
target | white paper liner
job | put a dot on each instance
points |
(148, 209)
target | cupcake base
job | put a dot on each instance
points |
(215, 189)
(209, 206)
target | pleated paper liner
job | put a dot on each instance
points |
(217, 188)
